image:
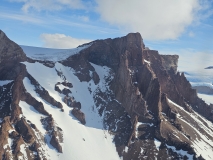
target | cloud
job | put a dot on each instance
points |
(21, 17)
(155, 20)
(191, 34)
(61, 41)
(191, 60)
(83, 18)
(50, 5)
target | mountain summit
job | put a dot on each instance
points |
(108, 99)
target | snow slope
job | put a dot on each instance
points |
(201, 144)
(49, 54)
(88, 141)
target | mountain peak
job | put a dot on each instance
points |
(2, 34)
(134, 36)
(9, 50)
(125, 101)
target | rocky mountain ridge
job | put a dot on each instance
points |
(142, 101)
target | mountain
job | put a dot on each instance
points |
(108, 99)
(210, 67)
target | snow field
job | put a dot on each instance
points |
(80, 142)
(50, 54)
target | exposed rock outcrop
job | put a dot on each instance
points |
(141, 78)
(10, 51)
(170, 62)
(79, 115)
(55, 142)
(43, 93)
(25, 130)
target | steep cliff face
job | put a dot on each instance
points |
(10, 51)
(112, 90)
(147, 84)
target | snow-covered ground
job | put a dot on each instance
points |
(88, 141)
(49, 54)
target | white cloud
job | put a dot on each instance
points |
(21, 17)
(50, 5)
(61, 41)
(83, 18)
(154, 19)
(191, 34)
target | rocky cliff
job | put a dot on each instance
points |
(9, 51)
(141, 100)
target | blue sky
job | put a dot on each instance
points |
(165, 25)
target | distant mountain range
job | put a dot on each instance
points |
(210, 67)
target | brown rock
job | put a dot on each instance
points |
(10, 51)
(44, 93)
(79, 115)
(57, 89)
(67, 84)
(66, 91)
(55, 142)
(76, 105)
(33, 102)
(25, 130)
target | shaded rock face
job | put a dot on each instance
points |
(170, 62)
(5, 99)
(79, 115)
(144, 89)
(10, 51)
(55, 143)
(25, 130)
(43, 93)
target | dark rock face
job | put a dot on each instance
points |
(25, 130)
(5, 127)
(10, 51)
(54, 132)
(67, 84)
(79, 115)
(143, 83)
(170, 62)
(66, 91)
(5, 99)
(43, 93)
(33, 102)
(55, 142)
